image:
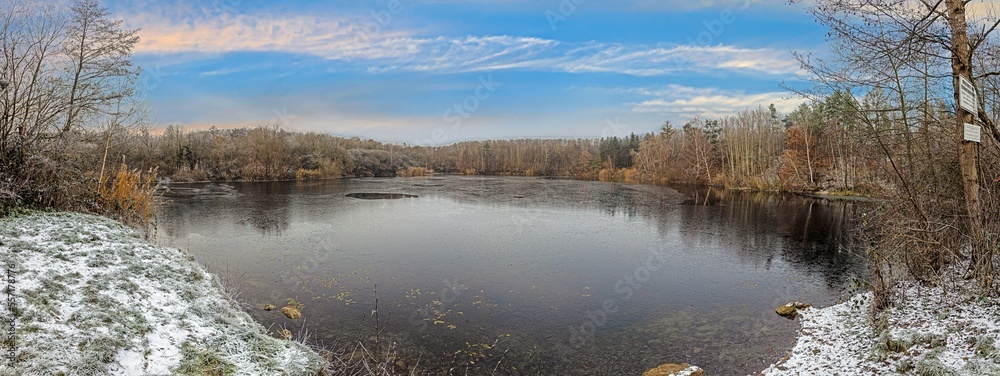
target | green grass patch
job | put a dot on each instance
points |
(203, 362)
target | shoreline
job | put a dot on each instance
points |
(949, 329)
(836, 197)
(821, 195)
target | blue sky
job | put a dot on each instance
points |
(441, 71)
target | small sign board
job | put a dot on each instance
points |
(972, 132)
(967, 96)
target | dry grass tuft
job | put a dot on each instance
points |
(128, 195)
(415, 171)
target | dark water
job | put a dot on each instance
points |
(527, 275)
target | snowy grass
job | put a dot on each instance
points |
(929, 331)
(93, 299)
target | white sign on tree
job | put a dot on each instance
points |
(967, 96)
(972, 132)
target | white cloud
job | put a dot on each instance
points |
(660, 60)
(375, 50)
(332, 38)
(470, 53)
(682, 102)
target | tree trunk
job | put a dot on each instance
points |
(77, 70)
(962, 67)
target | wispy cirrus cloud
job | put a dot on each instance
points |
(668, 59)
(465, 54)
(320, 36)
(346, 39)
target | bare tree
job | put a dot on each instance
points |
(914, 51)
(100, 53)
(30, 36)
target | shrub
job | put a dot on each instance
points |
(127, 195)
(630, 175)
(415, 171)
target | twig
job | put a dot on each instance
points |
(502, 357)
(377, 353)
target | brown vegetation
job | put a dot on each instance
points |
(129, 195)
(71, 96)
(415, 171)
(906, 57)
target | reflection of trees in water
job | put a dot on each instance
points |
(820, 235)
(809, 233)
(620, 199)
(698, 195)
(267, 222)
(173, 221)
(610, 198)
(266, 207)
(182, 216)
(262, 206)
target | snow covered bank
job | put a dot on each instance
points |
(928, 332)
(93, 299)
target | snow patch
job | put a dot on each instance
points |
(93, 299)
(929, 331)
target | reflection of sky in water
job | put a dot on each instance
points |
(528, 262)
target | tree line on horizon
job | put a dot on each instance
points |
(811, 149)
